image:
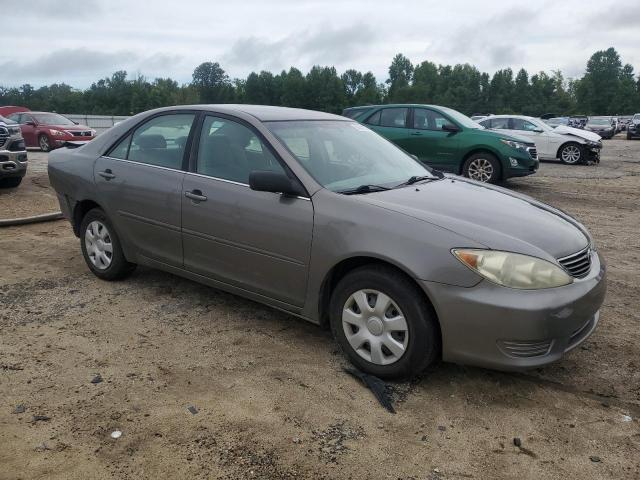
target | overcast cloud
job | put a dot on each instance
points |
(80, 42)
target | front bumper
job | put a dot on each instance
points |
(13, 164)
(525, 165)
(506, 329)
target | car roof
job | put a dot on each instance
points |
(523, 117)
(264, 113)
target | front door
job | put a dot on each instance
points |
(545, 142)
(257, 241)
(28, 130)
(430, 143)
(139, 184)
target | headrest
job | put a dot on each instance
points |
(151, 141)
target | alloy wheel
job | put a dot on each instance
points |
(571, 154)
(375, 327)
(99, 246)
(481, 170)
(44, 143)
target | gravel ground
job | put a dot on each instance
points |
(270, 398)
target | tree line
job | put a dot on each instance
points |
(607, 87)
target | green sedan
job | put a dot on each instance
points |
(450, 141)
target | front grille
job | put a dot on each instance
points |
(81, 134)
(522, 349)
(4, 135)
(579, 264)
(533, 151)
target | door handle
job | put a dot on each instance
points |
(107, 174)
(416, 134)
(196, 196)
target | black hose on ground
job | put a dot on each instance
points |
(47, 217)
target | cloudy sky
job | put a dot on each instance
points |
(80, 41)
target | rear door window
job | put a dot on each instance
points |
(426, 119)
(520, 124)
(394, 117)
(500, 123)
(161, 141)
(374, 119)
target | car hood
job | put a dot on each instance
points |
(489, 215)
(577, 132)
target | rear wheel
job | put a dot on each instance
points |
(43, 143)
(571, 153)
(11, 182)
(383, 324)
(482, 167)
(101, 247)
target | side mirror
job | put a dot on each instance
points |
(31, 123)
(450, 127)
(538, 130)
(275, 182)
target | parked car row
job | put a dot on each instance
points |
(446, 139)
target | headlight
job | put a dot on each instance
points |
(93, 133)
(514, 144)
(513, 270)
(57, 133)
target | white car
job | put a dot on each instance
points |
(569, 145)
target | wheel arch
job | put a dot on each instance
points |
(80, 209)
(343, 267)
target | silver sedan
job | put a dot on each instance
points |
(319, 216)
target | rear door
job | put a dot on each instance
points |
(139, 183)
(431, 144)
(391, 123)
(257, 241)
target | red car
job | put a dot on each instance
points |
(50, 130)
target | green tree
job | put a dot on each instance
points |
(400, 75)
(212, 83)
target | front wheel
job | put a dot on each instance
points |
(571, 154)
(43, 142)
(383, 324)
(482, 167)
(101, 247)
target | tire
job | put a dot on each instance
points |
(11, 182)
(482, 167)
(44, 143)
(571, 154)
(414, 348)
(97, 237)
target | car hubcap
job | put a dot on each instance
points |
(375, 327)
(571, 154)
(480, 169)
(44, 143)
(97, 241)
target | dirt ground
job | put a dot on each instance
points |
(270, 396)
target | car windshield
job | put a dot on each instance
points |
(343, 156)
(599, 121)
(51, 119)
(461, 118)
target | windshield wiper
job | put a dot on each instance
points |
(420, 178)
(364, 189)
